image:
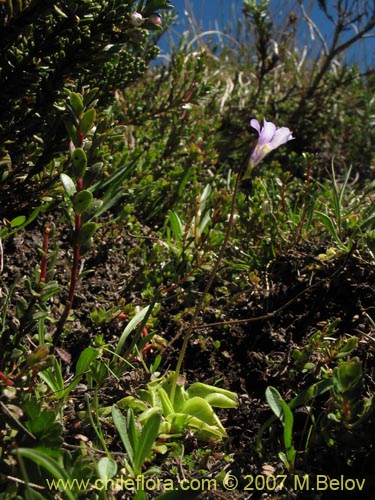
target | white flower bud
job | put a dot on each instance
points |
(136, 19)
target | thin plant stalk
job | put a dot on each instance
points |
(76, 257)
(74, 274)
(43, 266)
(96, 423)
(75, 266)
(211, 277)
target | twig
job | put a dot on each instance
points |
(264, 317)
(272, 314)
(16, 422)
(21, 481)
(313, 27)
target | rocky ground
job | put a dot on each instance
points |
(250, 346)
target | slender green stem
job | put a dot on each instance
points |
(211, 277)
(96, 422)
(43, 267)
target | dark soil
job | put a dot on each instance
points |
(250, 348)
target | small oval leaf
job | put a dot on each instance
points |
(94, 207)
(85, 247)
(68, 184)
(82, 201)
(107, 468)
(92, 173)
(72, 132)
(79, 162)
(86, 232)
(17, 221)
(76, 103)
(87, 121)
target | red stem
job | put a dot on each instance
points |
(74, 274)
(75, 266)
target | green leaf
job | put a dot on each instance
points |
(311, 392)
(140, 495)
(76, 103)
(327, 221)
(122, 428)
(146, 414)
(49, 464)
(49, 378)
(86, 232)
(185, 180)
(215, 396)
(60, 12)
(180, 395)
(85, 359)
(179, 422)
(82, 201)
(93, 210)
(31, 494)
(153, 5)
(147, 438)
(221, 401)
(285, 415)
(176, 224)
(130, 327)
(68, 185)
(49, 290)
(58, 372)
(165, 401)
(348, 375)
(199, 408)
(347, 348)
(87, 121)
(287, 420)
(85, 247)
(132, 402)
(92, 172)
(107, 468)
(79, 162)
(274, 399)
(72, 132)
(5, 233)
(89, 96)
(132, 430)
(17, 221)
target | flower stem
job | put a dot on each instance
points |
(210, 280)
(43, 266)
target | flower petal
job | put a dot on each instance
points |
(255, 124)
(281, 136)
(270, 138)
(267, 132)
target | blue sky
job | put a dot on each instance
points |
(217, 14)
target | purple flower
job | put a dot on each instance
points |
(270, 138)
